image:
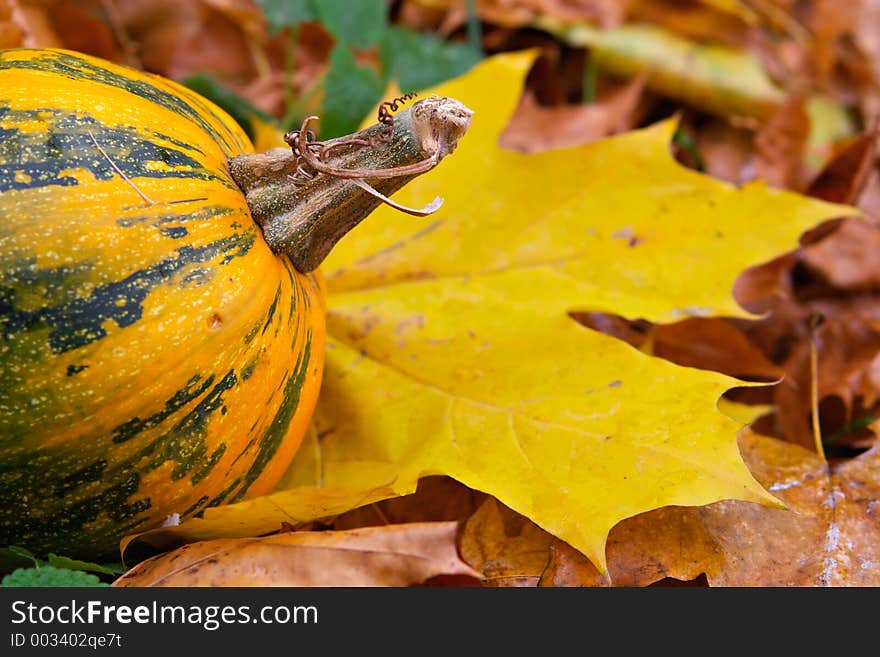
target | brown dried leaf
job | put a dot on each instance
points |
(83, 26)
(869, 200)
(829, 537)
(436, 499)
(507, 548)
(847, 259)
(867, 39)
(866, 384)
(568, 567)
(80, 25)
(830, 21)
(420, 17)
(780, 145)
(247, 14)
(711, 343)
(845, 177)
(535, 128)
(714, 344)
(178, 39)
(845, 345)
(397, 555)
(866, 34)
(11, 33)
(31, 21)
(833, 278)
(727, 151)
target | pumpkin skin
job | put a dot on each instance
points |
(156, 357)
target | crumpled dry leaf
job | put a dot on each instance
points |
(396, 555)
(820, 299)
(869, 200)
(11, 34)
(435, 499)
(830, 22)
(780, 145)
(568, 567)
(508, 549)
(178, 39)
(845, 346)
(845, 176)
(512, 551)
(867, 38)
(728, 351)
(27, 25)
(709, 343)
(847, 258)
(536, 128)
(727, 151)
(452, 352)
(828, 537)
(81, 25)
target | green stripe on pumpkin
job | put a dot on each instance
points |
(72, 492)
(74, 67)
(80, 321)
(271, 314)
(133, 427)
(69, 142)
(162, 220)
(271, 440)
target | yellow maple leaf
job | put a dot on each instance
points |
(451, 350)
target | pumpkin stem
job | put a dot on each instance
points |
(307, 197)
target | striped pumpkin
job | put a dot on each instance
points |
(156, 357)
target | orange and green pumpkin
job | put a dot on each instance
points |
(156, 357)
(161, 347)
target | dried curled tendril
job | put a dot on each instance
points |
(311, 157)
(386, 118)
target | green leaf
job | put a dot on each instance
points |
(418, 61)
(236, 106)
(361, 24)
(13, 556)
(50, 576)
(287, 13)
(76, 564)
(351, 91)
(22, 553)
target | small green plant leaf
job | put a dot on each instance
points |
(13, 556)
(75, 564)
(281, 14)
(361, 24)
(22, 553)
(351, 92)
(44, 576)
(418, 61)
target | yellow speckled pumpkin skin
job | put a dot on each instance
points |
(155, 356)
